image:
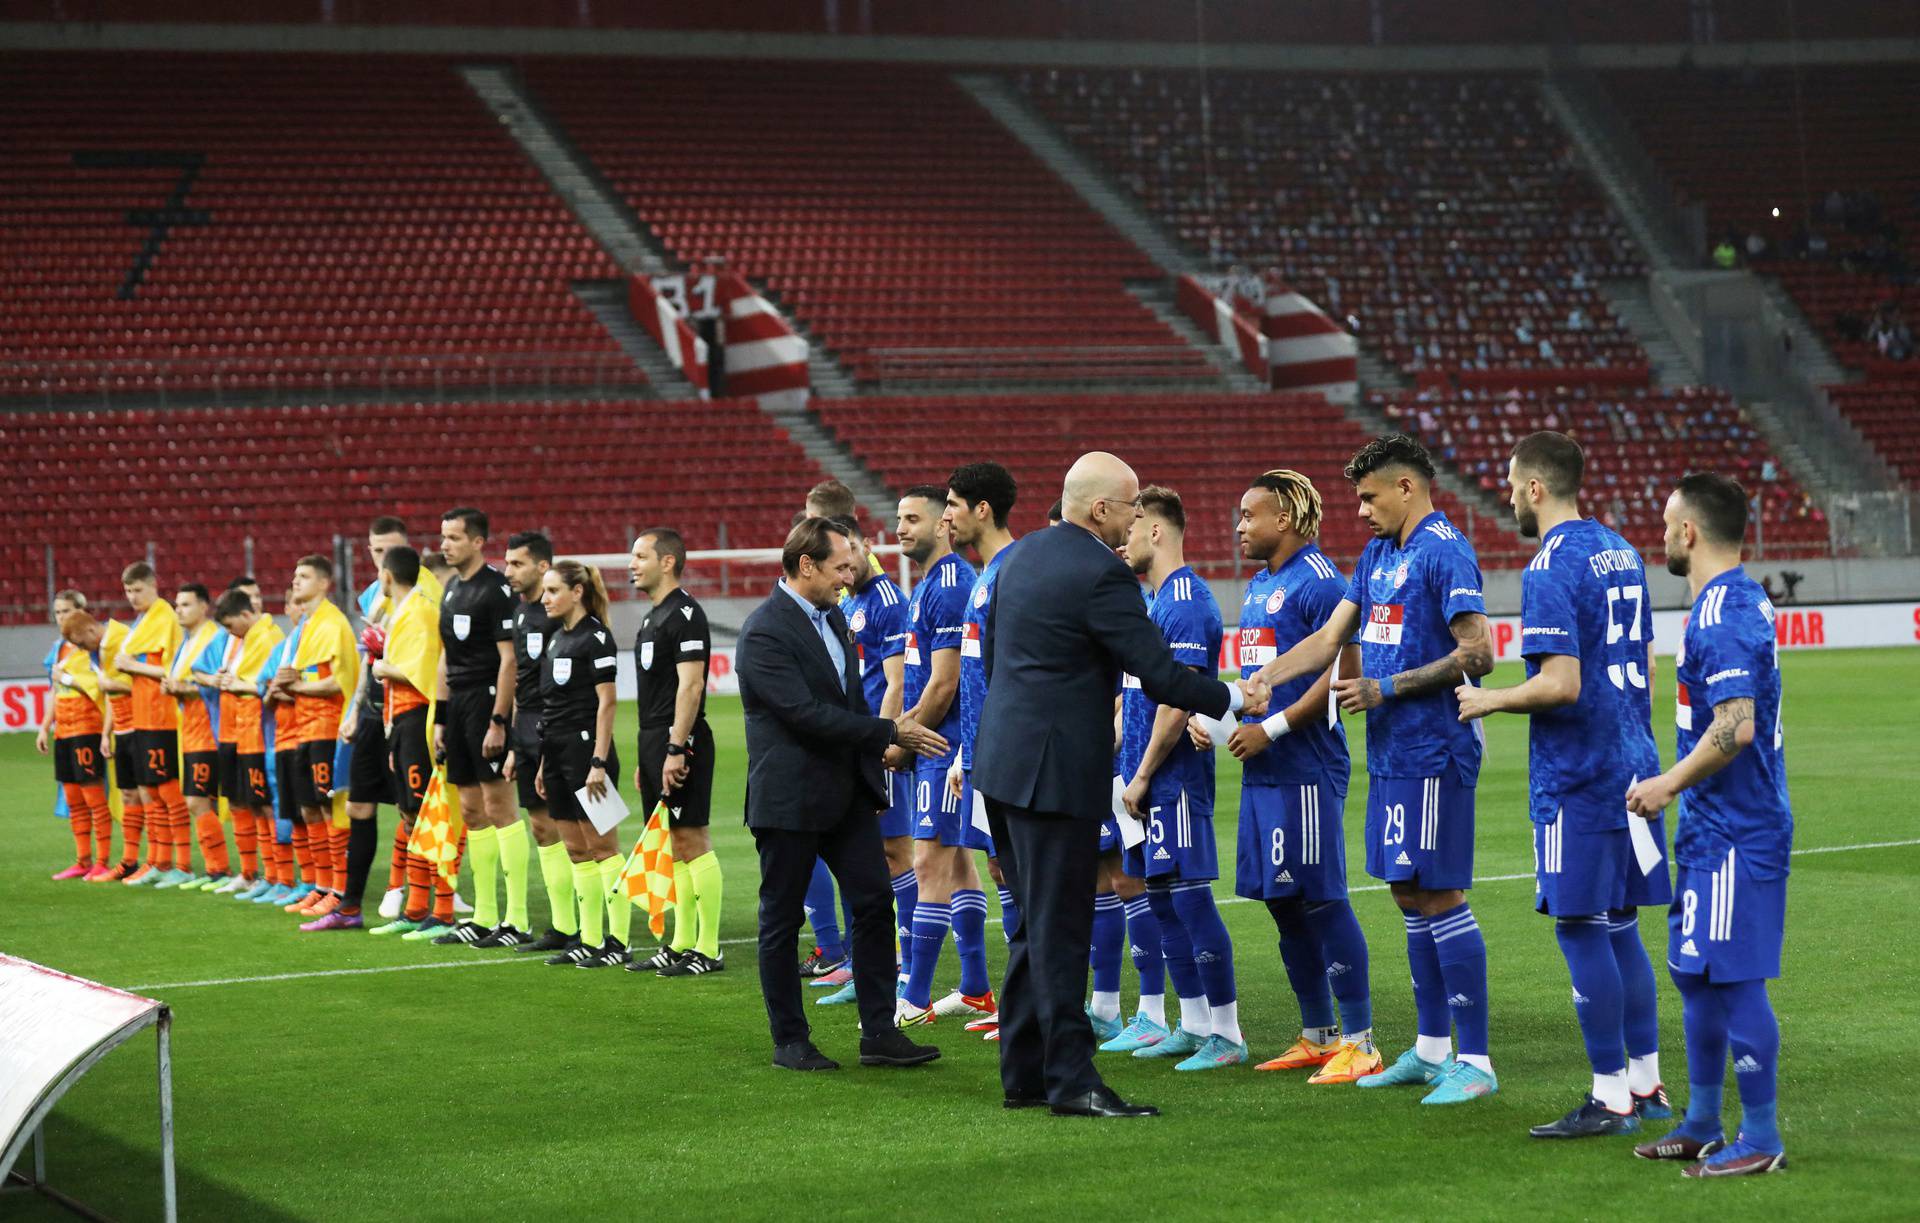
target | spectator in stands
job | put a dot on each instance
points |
(1756, 246)
(1576, 319)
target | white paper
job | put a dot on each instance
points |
(605, 812)
(1333, 698)
(1131, 833)
(980, 813)
(1646, 850)
(1218, 729)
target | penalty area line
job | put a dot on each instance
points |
(489, 962)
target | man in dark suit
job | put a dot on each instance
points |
(814, 790)
(1065, 620)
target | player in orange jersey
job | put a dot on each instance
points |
(328, 670)
(149, 647)
(76, 718)
(190, 682)
(243, 745)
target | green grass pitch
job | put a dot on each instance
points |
(311, 1084)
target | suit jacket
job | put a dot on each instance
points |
(811, 747)
(1066, 619)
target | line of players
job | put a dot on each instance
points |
(1405, 641)
(301, 733)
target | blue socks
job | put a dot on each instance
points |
(930, 925)
(1109, 930)
(1755, 1037)
(969, 909)
(1705, 1024)
(1429, 987)
(1462, 955)
(1143, 940)
(906, 896)
(1639, 1005)
(1176, 948)
(1212, 948)
(1343, 949)
(822, 915)
(1597, 996)
(1306, 970)
(1009, 914)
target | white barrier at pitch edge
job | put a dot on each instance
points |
(53, 1028)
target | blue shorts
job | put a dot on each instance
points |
(1726, 924)
(939, 816)
(896, 818)
(1110, 842)
(1291, 842)
(1420, 831)
(1582, 874)
(1179, 838)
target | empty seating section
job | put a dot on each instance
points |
(1444, 215)
(1887, 413)
(898, 221)
(198, 483)
(1638, 443)
(1205, 447)
(343, 213)
(1752, 141)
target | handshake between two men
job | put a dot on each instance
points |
(911, 739)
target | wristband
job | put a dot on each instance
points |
(675, 749)
(1386, 688)
(597, 763)
(1275, 726)
(440, 713)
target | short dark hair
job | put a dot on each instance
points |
(1393, 450)
(814, 538)
(1555, 459)
(235, 602)
(667, 542)
(474, 521)
(1164, 503)
(245, 579)
(404, 564)
(926, 492)
(318, 563)
(139, 571)
(1056, 512)
(847, 524)
(538, 546)
(1718, 503)
(988, 482)
(386, 524)
(197, 590)
(835, 499)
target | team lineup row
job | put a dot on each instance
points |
(1404, 640)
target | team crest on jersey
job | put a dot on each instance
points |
(562, 670)
(980, 595)
(1276, 599)
(646, 656)
(536, 642)
(1400, 576)
(462, 625)
(859, 620)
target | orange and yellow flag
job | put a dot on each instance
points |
(436, 830)
(647, 879)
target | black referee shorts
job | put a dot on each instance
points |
(469, 713)
(567, 759)
(690, 806)
(524, 739)
(76, 760)
(368, 779)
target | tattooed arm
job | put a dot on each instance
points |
(1731, 732)
(1470, 658)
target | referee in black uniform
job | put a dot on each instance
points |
(676, 748)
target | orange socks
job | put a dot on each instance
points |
(246, 841)
(419, 888)
(282, 856)
(303, 854)
(96, 797)
(133, 818)
(177, 848)
(337, 845)
(213, 844)
(397, 869)
(80, 823)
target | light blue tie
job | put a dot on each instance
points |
(834, 655)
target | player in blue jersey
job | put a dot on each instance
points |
(1415, 600)
(979, 498)
(1586, 635)
(1732, 839)
(876, 612)
(942, 832)
(1169, 787)
(1292, 842)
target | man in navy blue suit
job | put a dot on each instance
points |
(1066, 619)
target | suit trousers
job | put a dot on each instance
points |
(852, 850)
(1049, 862)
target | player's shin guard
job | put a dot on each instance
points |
(931, 922)
(969, 911)
(80, 824)
(709, 890)
(1434, 1020)
(483, 852)
(1755, 1037)
(1212, 954)
(1343, 946)
(1306, 967)
(1109, 930)
(1143, 940)
(1177, 950)
(363, 842)
(822, 914)
(1462, 953)
(515, 853)
(558, 874)
(619, 905)
(213, 843)
(246, 840)
(1639, 1000)
(906, 898)
(1597, 996)
(1704, 1020)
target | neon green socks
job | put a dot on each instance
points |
(619, 907)
(707, 888)
(512, 842)
(586, 892)
(483, 854)
(558, 873)
(686, 919)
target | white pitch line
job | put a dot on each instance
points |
(735, 942)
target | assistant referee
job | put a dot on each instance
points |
(676, 748)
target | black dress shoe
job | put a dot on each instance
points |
(892, 1048)
(1102, 1102)
(801, 1055)
(1024, 1101)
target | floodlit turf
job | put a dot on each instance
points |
(494, 1088)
